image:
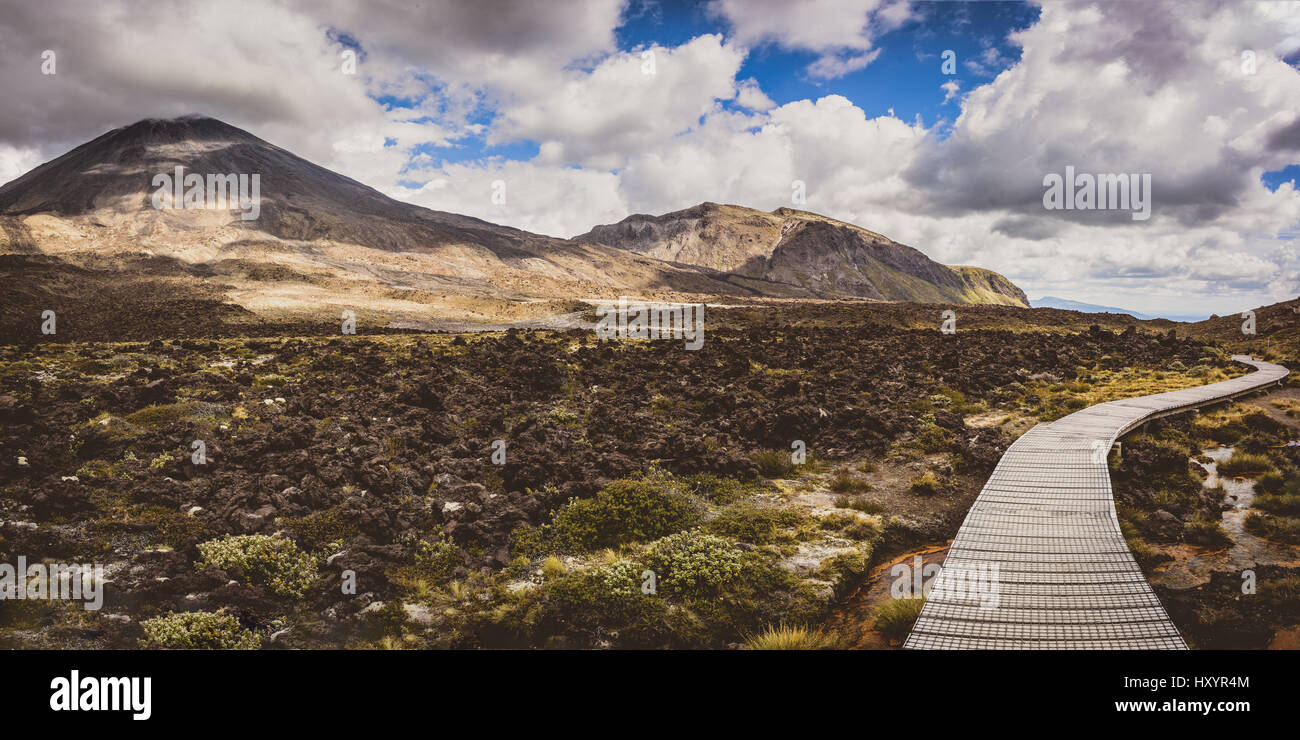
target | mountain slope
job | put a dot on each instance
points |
(321, 241)
(81, 235)
(806, 251)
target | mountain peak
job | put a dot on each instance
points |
(192, 127)
(803, 252)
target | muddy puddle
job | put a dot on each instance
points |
(1192, 564)
(854, 619)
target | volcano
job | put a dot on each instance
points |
(97, 230)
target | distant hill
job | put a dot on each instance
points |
(1048, 301)
(806, 252)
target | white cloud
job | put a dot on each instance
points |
(950, 89)
(540, 198)
(629, 103)
(15, 161)
(841, 32)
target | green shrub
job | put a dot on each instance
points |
(933, 438)
(851, 525)
(274, 562)
(750, 523)
(198, 631)
(437, 559)
(622, 578)
(718, 489)
(321, 529)
(693, 564)
(528, 541)
(270, 380)
(847, 567)
(599, 602)
(639, 508)
(161, 461)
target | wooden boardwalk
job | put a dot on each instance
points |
(1039, 562)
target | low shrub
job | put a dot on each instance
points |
(851, 525)
(635, 509)
(156, 417)
(274, 562)
(718, 489)
(754, 524)
(198, 631)
(693, 564)
(1285, 504)
(933, 438)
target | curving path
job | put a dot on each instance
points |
(1039, 562)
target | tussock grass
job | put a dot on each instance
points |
(844, 482)
(1288, 406)
(1098, 386)
(925, 484)
(862, 505)
(156, 417)
(784, 637)
(1202, 531)
(895, 617)
(1288, 505)
(774, 464)
(1279, 528)
(1245, 463)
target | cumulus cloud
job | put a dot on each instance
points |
(629, 103)
(544, 199)
(841, 32)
